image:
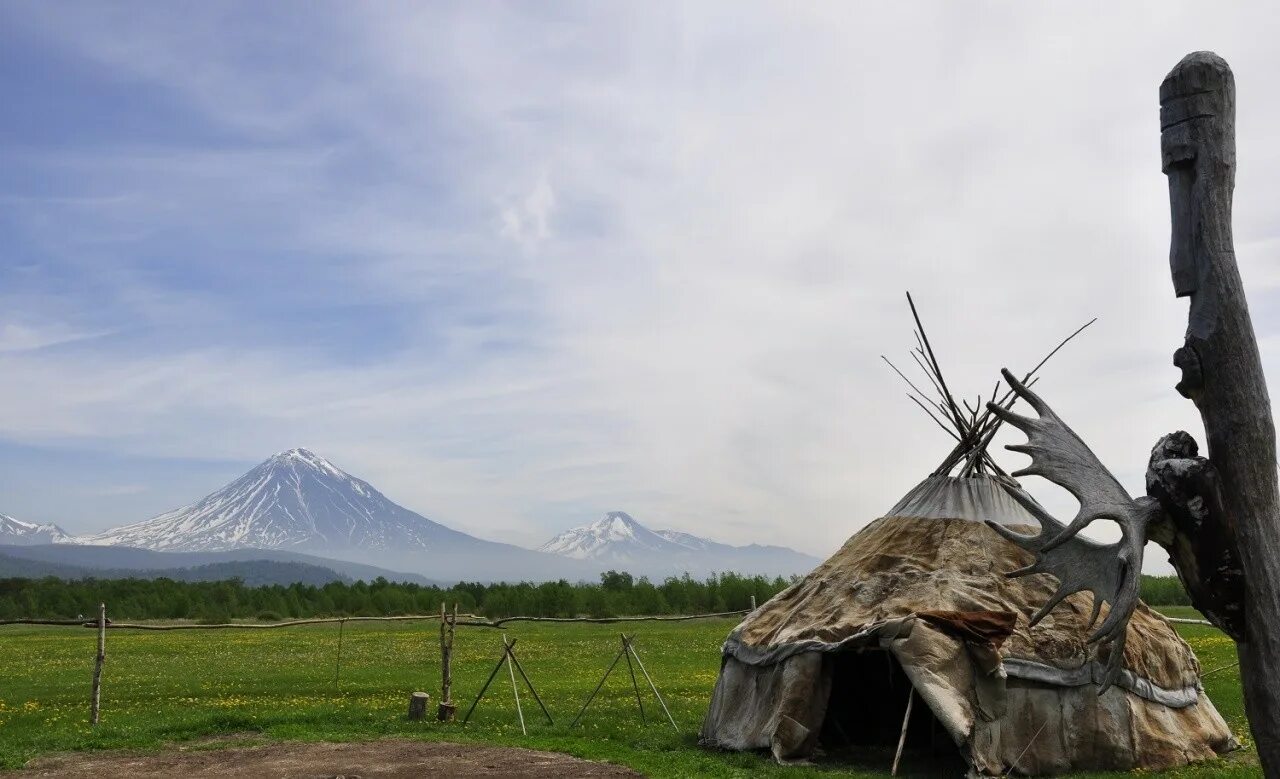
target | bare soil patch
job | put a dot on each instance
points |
(383, 759)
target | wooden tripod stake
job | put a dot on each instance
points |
(508, 653)
(511, 668)
(634, 685)
(628, 651)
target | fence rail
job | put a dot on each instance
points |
(472, 620)
(222, 625)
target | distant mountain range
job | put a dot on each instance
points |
(113, 562)
(19, 533)
(300, 505)
(299, 501)
(618, 541)
(254, 573)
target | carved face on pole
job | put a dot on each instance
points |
(1197, 105)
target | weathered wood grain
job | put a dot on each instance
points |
(1221, 367)
(1197, 531)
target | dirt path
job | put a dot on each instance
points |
(385, 759)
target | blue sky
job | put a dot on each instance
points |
(518, 265)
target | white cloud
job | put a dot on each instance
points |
(20, 337)
(527, 221)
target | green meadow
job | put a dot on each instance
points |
(163, 687)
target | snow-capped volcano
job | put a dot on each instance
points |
(19, 533)
(616, 536)
(295, 500)
(618, 540)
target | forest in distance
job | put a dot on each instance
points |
(616, 594)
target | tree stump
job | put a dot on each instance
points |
(418, 705)
(445, 712)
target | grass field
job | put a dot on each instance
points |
(279, 684)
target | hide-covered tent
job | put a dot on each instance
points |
(918, 600)
(916, 610)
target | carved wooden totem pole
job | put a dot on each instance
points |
(1219, 518)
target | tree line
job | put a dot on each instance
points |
(616, 594)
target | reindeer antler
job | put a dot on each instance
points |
(1111, 572)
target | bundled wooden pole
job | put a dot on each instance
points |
(96, 701)
(446, 710)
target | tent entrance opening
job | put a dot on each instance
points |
(864, 717)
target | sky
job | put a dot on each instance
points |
(521, 264)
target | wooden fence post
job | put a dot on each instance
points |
(96, 702)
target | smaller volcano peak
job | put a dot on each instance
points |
(306, 457)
